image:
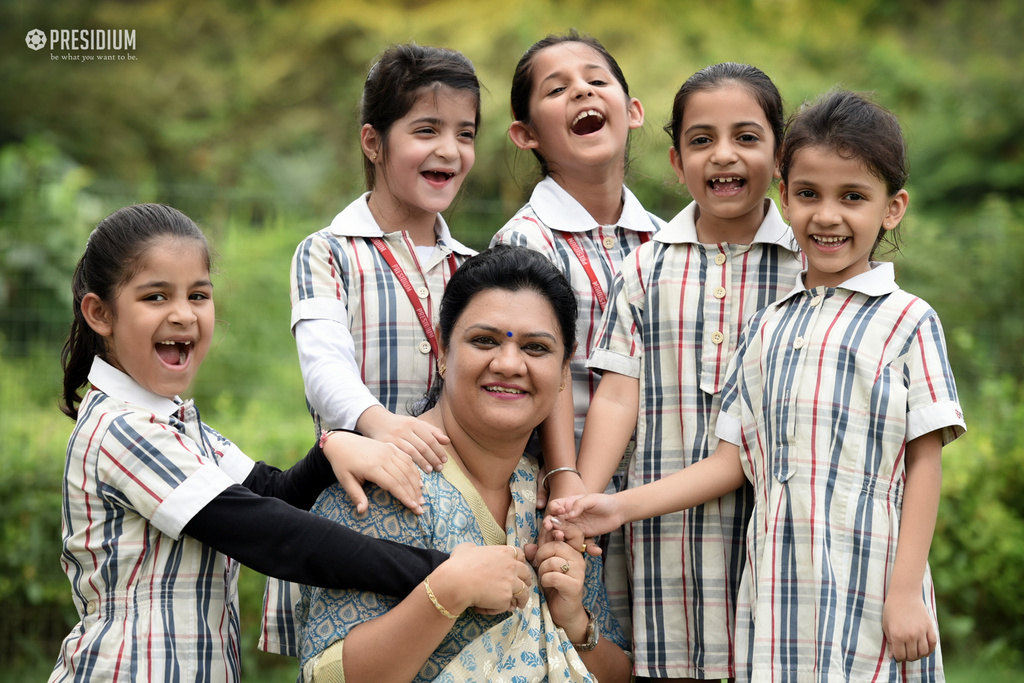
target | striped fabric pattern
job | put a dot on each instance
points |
(675, 315)
(827, 389)
(338, 274)
(537, 225)
(154, 605)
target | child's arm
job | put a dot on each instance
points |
(336, 391)
(611, 420)
(711, 478)
(279, 540)
(558, 444)
(906, 623)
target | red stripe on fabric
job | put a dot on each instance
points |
(403, 279)
(131, 476)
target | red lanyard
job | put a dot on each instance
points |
(414, 299)
(602, 298)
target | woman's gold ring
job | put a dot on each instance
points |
(583, 550)
(520, 590)
(565, 568)
(515, 553)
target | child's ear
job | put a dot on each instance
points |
(897, 208)
(636, 113)
(97, 314)
(370, 141)
(677, 164)
(522, 135)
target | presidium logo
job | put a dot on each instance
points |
(101, 42)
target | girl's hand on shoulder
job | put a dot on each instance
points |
(422, 442)
(356, 460)
(561, 570)
(491, 578)
(907, 626)
(594, 513)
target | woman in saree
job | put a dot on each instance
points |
(506, 334)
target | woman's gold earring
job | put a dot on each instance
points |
(441, 369)
(562, 388)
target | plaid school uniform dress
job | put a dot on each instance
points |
(673, 322)
(542, 225)
(154, 605)
(338, 274)
(826, 390)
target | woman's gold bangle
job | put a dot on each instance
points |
(437, 604)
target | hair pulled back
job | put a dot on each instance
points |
(113, 254)
(397, 79)
(729, 73)
(853, 126)
(511, 269)
(522, 78)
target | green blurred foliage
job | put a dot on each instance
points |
(243, 115)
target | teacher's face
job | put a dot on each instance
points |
(504, 363)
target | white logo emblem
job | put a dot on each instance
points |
(35, 39)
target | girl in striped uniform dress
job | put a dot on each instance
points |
(365, 289)
(677, 309)
(838, 403)
(573, 111)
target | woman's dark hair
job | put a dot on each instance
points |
(854, 127)
(511, 269)
(113, 254)
(398, 78)
(522, 79)
(729, 73)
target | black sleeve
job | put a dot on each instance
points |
(276, 539)
(299, 485)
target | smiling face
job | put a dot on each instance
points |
(726, 159)
(159, 327)
(837, 208)
(424, 159)
(502, 386)
(580, 115)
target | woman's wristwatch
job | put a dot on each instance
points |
(593, 633)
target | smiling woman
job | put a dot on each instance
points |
(507, 331)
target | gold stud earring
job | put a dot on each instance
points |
(441, 370)
(561, 388)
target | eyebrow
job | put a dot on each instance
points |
(708, 126)
(433, 120)
(495, 330)
(164, 284)
(554, 75)
(807, 182)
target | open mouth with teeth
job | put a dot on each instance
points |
(829, 240)
(726, 184)
(504, 390)
(587, 122)
(173, 353)
(438, 177)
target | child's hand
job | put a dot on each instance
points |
(907, 626)
(594, 513)
(570, 534)
(356, 459)
(423, 442)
